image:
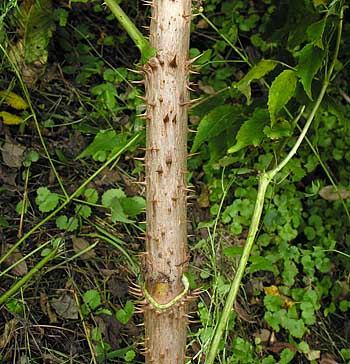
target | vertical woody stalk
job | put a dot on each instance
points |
(166, 79)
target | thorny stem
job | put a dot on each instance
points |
(264, 181)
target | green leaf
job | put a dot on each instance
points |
(130, 355)
(83, 210)
(125, 314)
(133, 205)
(215, 122)
(147, 53)
(315, 33)
(289, 273)
(281, 91)
(233, 251)
(294, 326)
(259, 263)
(286, 356)
(92, 298)
(251, 132)
(46, 200)
(91, 195)
(71, 224)
(104, 141)
(113, 199)
(258, 71)
(110, 195)
(280, 129)
(310, 61)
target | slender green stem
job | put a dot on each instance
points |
(69, 199)
(19, 284)
(264, 181)
(139, 40)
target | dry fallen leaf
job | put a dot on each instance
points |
(329, 193)
(21, 268)
(46, 308)
(80, 244)
(327, 359)
(65, 307)
(8, 332)
(263, 335)
(274, 291)
(243, 314)
(313, 355)
(279, 346)
(12, 154)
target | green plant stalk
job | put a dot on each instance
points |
(68, 200)
(139, 40)
(20, 283)
(24, 258)
(264, 181)
(132, 264)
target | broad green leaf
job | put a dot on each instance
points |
(315, 33)
(46, 200)
(310, 60)
(133, 205)
(258, 71)
(281, 91)
(251, 131)
(104, 141)
(215, 122)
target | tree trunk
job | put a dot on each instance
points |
(166, 79)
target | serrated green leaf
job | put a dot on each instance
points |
(215, 122)
(281, 91)
(112, 199)
(295, 327)
(130, 355)
(91, 195)
(125, 313)
(71, 224)
(46, 200)
(251, 131)
(310, 61)
(92, 298)
(83, 210)
(258, 71)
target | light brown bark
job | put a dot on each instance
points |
(166, 77)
